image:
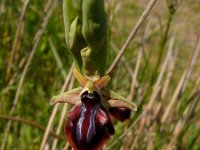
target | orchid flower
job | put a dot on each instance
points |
(88, 125)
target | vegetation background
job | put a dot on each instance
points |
(159, 71)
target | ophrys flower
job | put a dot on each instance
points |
(88, 125)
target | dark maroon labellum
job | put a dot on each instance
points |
(88, 124)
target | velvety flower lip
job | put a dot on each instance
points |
(88, 124)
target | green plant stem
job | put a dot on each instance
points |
(162, 49)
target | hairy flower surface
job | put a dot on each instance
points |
(88, 124)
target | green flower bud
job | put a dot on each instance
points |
(86, 34)
(72, 12)
(94, 24)
(95, 34)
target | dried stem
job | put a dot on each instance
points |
(62, 118)
(170, 71)
(132, 35)
(35, 42)
(17, 35)
(57, 58)
(149, 116)
(190, 109)
(32, 123)
(55, 109)
(128, 130)
(134, 82)
(183, 80)
(157, 85)
(123, 60)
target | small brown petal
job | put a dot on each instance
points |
(120, 113)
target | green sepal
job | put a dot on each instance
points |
(113, 99)
(71, 96)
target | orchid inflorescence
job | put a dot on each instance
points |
(88, 125)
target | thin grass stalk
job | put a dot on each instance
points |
(62, 118)
(132, 35)
(64, 74)
(126, 138)
(189, 110)
(197, 84)
(154, 123)
(159, 106)
(157, 85)
(66, 146)
(172, 8)
(13, 78)
(174, 97)
(154, 94)
(18, 46)
(134, 82)
(191, 69)
(194, 58)
(17, 34)
(142, 122)
(127, 131)
(196, 54)
(181, 84)
(55, 109)
(170, 72)
(123, 59)
(47, 6)
(132, 73)
(57, 58)
(35, 42)
(162, 48)
(138, 132)
(31, 123)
